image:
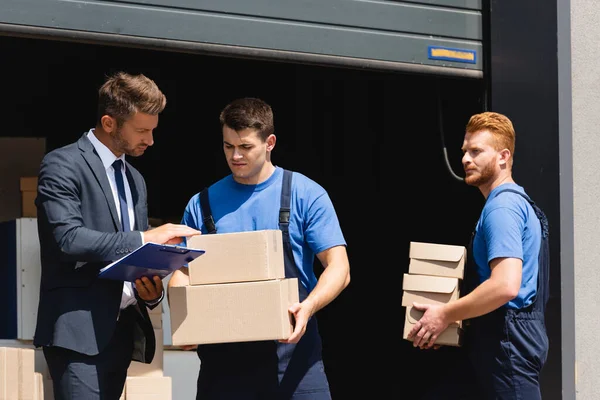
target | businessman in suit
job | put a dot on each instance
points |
(92, 210)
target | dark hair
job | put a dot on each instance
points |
(123, 95)
(249, 113)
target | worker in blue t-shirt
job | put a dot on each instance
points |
(250, 199)
(506, 282)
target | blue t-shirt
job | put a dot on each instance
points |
(508, 227)
(313, 228)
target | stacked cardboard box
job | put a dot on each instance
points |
(237, 293)
(147, 381)
(18, 378)
(434, 275)
(28, 194)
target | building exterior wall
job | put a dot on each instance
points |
(580, 119)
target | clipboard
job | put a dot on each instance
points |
(148, 260)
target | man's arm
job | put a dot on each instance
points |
(502, 286)
(59, 198)
(333, 280)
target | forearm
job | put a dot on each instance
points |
(487, 297)
(333, 280)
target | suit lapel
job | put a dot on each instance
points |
(95, 163)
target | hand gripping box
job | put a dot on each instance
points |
(429, 289)
(451, 336)
(437, 259)
(237, 257)
(232, 312)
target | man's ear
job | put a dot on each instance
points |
(271, 140)
(504, 157)
(109, 124)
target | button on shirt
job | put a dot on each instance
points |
(108, 158)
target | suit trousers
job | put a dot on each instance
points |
(78, 376)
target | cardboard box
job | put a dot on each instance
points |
(437, 259)
(38, 393)
(156, 315)
(26, 372)
(28, 195)
(17, 373)
(237, 257)
(148, 388)
(155, 368)
(429, 289)
(451, 336)
(9, 377)
(232, 312)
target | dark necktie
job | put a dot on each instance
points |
(118, 165)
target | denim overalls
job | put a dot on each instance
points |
(507, 348)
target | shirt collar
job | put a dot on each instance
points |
(106, 155)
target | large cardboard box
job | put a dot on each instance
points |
(451, 336)
(237, 257)
(437, 259)
(28, 195)
(155, 368)
(148, 388)
(232, 312)
(429, 289)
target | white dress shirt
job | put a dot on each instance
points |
(108, 158)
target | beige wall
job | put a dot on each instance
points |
(580, 184)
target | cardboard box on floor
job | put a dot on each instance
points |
(148, 388)
(155, 368)
(232, 312)
(437, 259)
(451, 336)
(17, 373)
(429, 289)
(28, 194)
(155, 315)
(237, 257)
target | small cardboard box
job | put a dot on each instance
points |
(451, 336)
(237, 257)
(155, 368)
(429, 289)
(148, 388)
(17, 373)
(156, 316)
(38, 393)
(232, 312)
(437, 259)
(28, 195)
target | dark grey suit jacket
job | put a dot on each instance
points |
(78, 222)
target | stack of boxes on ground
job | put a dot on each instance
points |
(28, 194)
(237, 293)
(147, 381)
(434, 275)
(18, 378)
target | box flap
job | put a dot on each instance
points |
(439, 252)
(427, 283)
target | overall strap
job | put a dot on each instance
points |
(543, 288)
(538, 211)
(286, 196)
(207, 217)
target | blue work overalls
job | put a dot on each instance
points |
(507, 348)
(266, 370)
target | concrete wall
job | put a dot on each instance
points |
(579, 111)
